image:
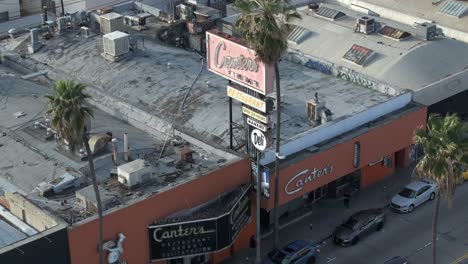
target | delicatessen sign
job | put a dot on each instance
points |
(202, 236)
(228, 58)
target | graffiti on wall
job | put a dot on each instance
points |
(351, 76)
(318, 66)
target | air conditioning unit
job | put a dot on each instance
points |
(426, 31)
(185, 11)
(116, 43)
(365, 25)
(134, 173)
(85, 32)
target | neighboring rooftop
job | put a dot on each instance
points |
(9, 234)
(28, 159)
(407, 64)
(146, 81)
(406, 11)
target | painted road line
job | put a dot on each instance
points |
(460, 259)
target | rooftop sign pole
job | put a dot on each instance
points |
(259, 141)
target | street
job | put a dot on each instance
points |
(404, 234)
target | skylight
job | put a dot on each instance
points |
(298, 34)
(329, 13)
(394, 33)
(453, 8)
(358, 55)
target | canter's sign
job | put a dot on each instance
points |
(246, 98)
(230, 59)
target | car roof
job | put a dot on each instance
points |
(366, 213)
(298, 245)
(416, 185)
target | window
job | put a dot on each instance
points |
(423, 189)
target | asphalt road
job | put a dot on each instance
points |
(410, 235)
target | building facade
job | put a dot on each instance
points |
(157, 228)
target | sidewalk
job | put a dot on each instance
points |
(317, 222)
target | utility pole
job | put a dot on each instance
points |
(63, 8)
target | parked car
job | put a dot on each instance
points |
(397, 260)
(465, 173)
(297, 252)
(413, 195)
(359, 225)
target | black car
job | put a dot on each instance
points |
(358, 225)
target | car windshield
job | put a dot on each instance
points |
(350, 223)
(277, 256)
(407, 193)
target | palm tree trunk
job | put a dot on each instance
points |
(435, 220)
(92, 172)
(278, 139)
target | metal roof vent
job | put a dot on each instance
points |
(329, 13)
(453, 8)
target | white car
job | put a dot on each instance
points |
(413, 195)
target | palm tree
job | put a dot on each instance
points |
(264, 27)
(69, 116)
(446, 149)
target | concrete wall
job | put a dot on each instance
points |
(31, 6)
(97, 4)
(72, 6)
(340, 72)
(12, 7)
(29, 213)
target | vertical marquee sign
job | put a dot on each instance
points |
(227, 57)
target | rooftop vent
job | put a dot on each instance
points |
(358, 55)
(453, 8)
(298, 34)
(426, 31)
(365, 25)
(86, 198)
(394, 33)
(313, 6)
(329, 13)
(134, 173)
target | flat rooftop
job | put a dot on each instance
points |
(411, 63)
(156, 79)
(429, 10)
(27, 159)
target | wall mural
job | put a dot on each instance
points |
(115, 249)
